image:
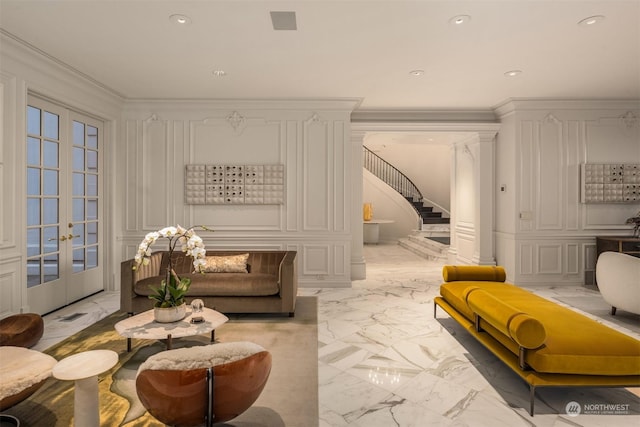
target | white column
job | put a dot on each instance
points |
(484, 217)
(358, 265)
(453, 247)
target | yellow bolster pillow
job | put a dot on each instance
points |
(483, 273)
(525, 330)
(467, 291)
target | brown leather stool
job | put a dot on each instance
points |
(203, 385)
(21, 330)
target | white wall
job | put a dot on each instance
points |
(310, 138)
(543, 233)
(146, 147)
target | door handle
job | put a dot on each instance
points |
(71, 236)
(62, 238)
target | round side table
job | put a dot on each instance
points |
(84, 368)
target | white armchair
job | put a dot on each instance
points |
(618, 277)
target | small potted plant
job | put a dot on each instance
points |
(169, 297)
(635, 220)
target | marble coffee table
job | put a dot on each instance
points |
(143, 326)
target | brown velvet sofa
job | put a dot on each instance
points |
(269, 286)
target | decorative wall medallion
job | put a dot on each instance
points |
(550, 118)
(466, 150)
(237, 121)
(629, 120)
(315, 118)
(152, 118)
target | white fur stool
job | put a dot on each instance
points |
(22, 372)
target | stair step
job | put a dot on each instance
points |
(424, 208)
(435, 220)
(425, 248)
(427, 214)
(431, 214)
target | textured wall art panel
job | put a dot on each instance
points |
(610, 183)
(234, 184)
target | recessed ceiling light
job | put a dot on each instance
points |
(513, 73)
(219, 73)
(460, 19)
(416, 72)
(592, 20)
(180, 19)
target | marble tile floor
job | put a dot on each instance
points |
(384, 361)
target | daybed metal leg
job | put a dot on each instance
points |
(434, 309)
(613, 311)
(532, 398)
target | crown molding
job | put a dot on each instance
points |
(382, 127)
(284, 104)
(440, 116)
(545, 104)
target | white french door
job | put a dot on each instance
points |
(64, 209)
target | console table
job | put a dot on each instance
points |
(625, 244)
(371, 229)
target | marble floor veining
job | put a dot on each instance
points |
(384, 360)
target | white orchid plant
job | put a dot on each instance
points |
(173, 289)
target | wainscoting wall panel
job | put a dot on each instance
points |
(549, 176)
(571, 175)
(157, 174)
(10, 272)
(316, 260)
(526, 167)
(527, 261)
(573, 258)
(549, 259)
(8, 164)
(555, 233)
(309, 143)
(318, 169)
(131, 174)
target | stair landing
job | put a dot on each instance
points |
(432, 244)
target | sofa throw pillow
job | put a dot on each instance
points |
(226, 264)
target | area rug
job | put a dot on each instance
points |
(290, 397)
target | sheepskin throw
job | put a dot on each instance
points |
(182, 359)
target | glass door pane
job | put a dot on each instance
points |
(43, 196)
(85, 172)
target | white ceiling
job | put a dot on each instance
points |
(342, 49)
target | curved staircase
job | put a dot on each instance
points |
(401, 183)
(432, 240)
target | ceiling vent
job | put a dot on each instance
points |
(284, 21)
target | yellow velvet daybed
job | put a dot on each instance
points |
(546, 344)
